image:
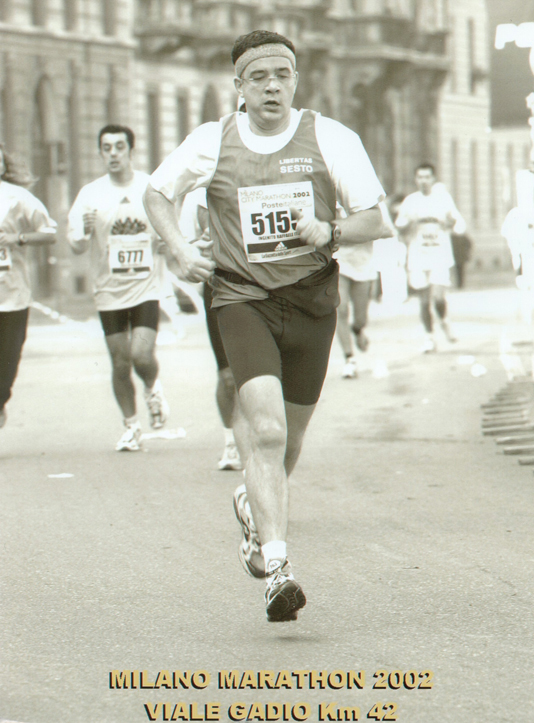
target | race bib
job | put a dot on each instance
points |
(6, 261)
(130, 256)
(268, 230)
(429, 234)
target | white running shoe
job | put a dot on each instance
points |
(429, 345)
(158, 407)
(230, 458)
(283, 595)
(130, 440)
(249, 550)
(350, 370)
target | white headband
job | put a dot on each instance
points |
(263, 51)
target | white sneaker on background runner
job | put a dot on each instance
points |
(130, 440)
(350, 370)
(230, 459)
(158, 407)
(429, 345)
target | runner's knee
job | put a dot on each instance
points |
(143, 360)
(441, 307)
(268, 432)
(122, 366)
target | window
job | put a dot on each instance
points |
(112, 109)
(38, 12)
(455, 190)
(471, 55)
(182, 115)
(493, 211)
(109, 17)
(153, 127)
(526, 156)
(210, 105)
(70, 9)
(5, 10)
(510, 172)
(474, 183)
(74, 143)
(451, 41)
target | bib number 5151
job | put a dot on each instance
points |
(278, 222)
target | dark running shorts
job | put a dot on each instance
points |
(120, 320)
(272, 337)
(213, 330)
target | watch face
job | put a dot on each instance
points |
(336, 233)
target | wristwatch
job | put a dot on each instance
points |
(336, 232)
(21, 239)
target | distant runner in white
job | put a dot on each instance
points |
(273, 177)
(427, 218)
(108, 217)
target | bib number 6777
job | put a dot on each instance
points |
(278, 221)
(132, 256)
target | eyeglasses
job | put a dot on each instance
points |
(261, 81)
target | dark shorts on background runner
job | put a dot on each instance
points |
(13, 326)
(213, 330)
(272, 337)
(120, 320)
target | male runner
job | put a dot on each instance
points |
(194, 225)
(427, 217)
(108, 217)
(273, 176)
(357, 271)
(24, 221)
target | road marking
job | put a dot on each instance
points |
(165, 434)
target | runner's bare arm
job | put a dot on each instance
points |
(358, 228)
(31, 238)
(192, 266)
(79, 233)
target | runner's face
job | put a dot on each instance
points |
(116, 152)
(424, 180)
(268, 86)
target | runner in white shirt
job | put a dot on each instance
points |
(108, 217)
(518, 230)
(357, 271)
(194, 225)
(273, 177)
(24, 221)
(427, 217)
(390, 257)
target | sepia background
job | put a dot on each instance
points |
(419, 80)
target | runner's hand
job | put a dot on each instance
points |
(205, 246)
(8, 239)
(192, 265)
(89, 219)
(312, 231)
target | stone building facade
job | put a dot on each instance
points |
(411, 76)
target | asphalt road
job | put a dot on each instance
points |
(411, 534)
